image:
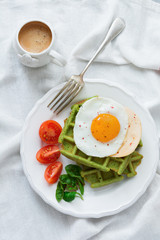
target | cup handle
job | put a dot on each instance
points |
(57, 58)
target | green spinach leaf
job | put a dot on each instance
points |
(59, 192)
(71, 188)
(81, 187)
(70, 196)
(69, 183)
(74, 171)
(67, 179)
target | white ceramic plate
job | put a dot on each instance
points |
(103, 201)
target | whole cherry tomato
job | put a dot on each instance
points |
(53, 172)
(48, 154)
(49, 131)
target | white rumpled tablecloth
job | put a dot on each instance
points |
(133, 60)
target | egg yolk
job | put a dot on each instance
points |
(105, 127)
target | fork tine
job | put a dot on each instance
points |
(68, 89)
(67, 84)
(68, 102)
(67, 97)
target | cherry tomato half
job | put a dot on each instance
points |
(49, 131)
(53, 172)
(48, 154)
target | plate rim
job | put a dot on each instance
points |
(104, 213)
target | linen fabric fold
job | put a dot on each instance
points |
(138, 44)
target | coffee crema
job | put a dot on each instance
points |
(35, 37)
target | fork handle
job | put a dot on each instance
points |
(116, 27)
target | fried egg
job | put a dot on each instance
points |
(100, 127)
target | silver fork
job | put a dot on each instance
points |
(76, 83)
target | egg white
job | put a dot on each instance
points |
(82, 129)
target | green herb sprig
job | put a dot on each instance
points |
(70, 183)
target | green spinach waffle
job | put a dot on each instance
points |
(109, 168)
(99, 178)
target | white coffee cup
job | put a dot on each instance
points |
(40, 59)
